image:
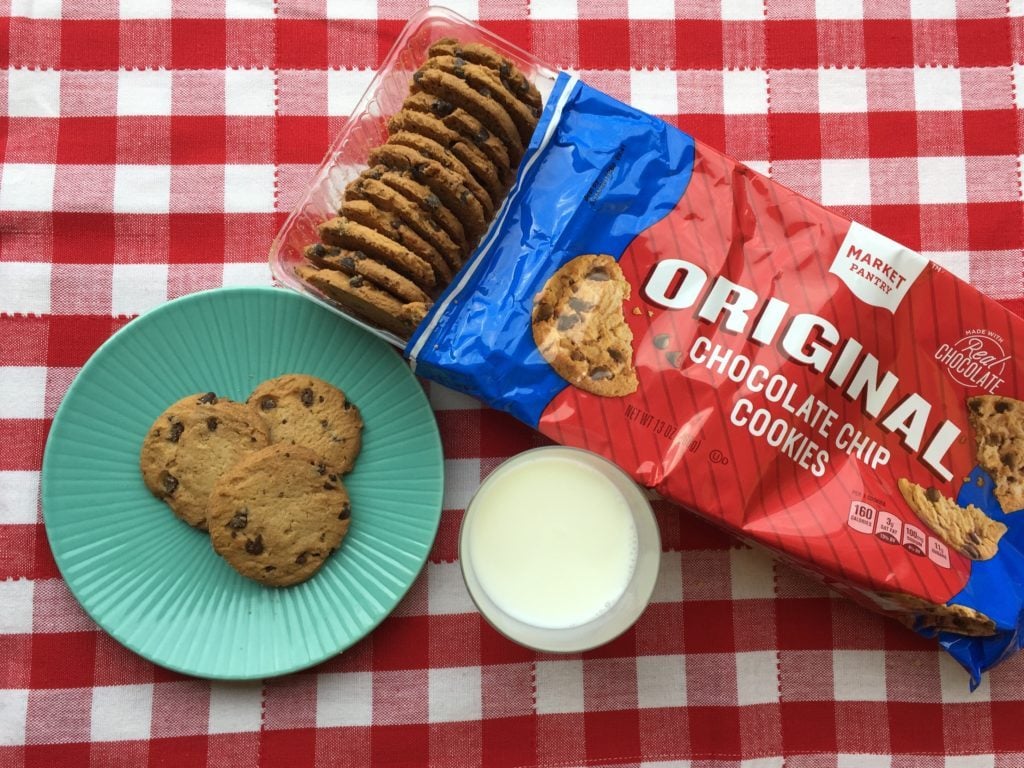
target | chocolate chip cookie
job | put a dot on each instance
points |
(190, 444)
(488, 84)
(303, 410)
(430, 148)
(448, 186)
(354, 263)
(359, 295)
(510, 75)
(442, 221)
(425, 124)
(347, 234)
(998, 424)
(465, 125)
(278, 514)
(579, 327)
(456, 92)
(395, 228)
(946, 618)
(968, 530)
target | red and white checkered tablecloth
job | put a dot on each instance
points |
(151, 148)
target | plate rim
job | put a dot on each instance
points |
(46, 491)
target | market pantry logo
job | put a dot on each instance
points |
(878, 271)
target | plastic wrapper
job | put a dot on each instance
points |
(800, 380)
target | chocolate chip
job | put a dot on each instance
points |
(484, 91)
(973, 537)
(211, 423)
(577, 355)
(301, 559)
(534, 111)
(306, 396)
(433, 201)
(580, 305)
(269, 568)
(441, 108)
(417, 76)
(661, 340)
(463, 194)
(175, 431)
(347, 263)
(321, 469)
(320, 399)
(615, 355)
(672, 357)
(1002, 406)
(209, 398)
(254, 546)
(974, 405)
(482, 136)
(544, 312)
(992, 440)
(598, 274)
(268, 402)
(1007, 459)
(170, 483)
(348, 405)
(600, 373)
(357, 281)
(329, 487)
(565, 322)
(346, 511)
(932, 495)
(240, 520)
(335, 478)
(319, 251)
(505, 69)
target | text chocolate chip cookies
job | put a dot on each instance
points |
(409, 221)
(264, 476)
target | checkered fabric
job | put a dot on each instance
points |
(151, 148)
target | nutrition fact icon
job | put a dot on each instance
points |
(868, 520)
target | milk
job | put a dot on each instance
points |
(552, 541)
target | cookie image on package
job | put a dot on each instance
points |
(998, 424)
(579, 327)
(304, 410)
(278, 514)
(968, 530)
(190, 444)
(945, 618)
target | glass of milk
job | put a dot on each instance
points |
(560, 549)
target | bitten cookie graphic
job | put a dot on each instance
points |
(580, 329)
(190, 444)
(998, 424)
(968, 530)
(278, 514)
(947, 618)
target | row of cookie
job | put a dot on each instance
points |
(408, 222)
(264, 477)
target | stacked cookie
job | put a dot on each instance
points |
(264, 477)
(410, 220)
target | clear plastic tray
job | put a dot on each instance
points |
(367, 128)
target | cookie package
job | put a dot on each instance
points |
(799, 379)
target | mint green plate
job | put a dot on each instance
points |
(154, 583)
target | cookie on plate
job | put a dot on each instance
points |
(190, 444)
(998, 424)
(303, 410)
(579, 327)
(968, 530)
(278, 514)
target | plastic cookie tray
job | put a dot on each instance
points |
(366, 128)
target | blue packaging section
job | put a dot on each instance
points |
(627, 171)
